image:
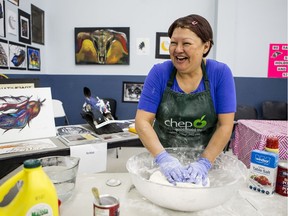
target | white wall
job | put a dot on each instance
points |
(245, 30)
(144, 17)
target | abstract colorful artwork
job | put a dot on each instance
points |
(104, 46)
(26, 114)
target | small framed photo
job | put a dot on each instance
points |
(162, 45)
(24, 27)
(33, 58)
(132, 91)
(15, 2)
(38, 25)
(2, 19)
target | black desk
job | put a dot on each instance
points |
(11, 161)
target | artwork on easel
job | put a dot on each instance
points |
(22, 113)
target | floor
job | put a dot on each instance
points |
(115, 164)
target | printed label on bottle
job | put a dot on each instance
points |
(41, 209)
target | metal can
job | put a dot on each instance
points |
(282, 178)
(109, 206)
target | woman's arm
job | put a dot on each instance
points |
(220, 137)
(144, 127)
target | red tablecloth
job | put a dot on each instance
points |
(252, 134)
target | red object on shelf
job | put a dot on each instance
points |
(272, 142)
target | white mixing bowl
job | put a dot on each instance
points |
(227, 175)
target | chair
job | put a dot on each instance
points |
(59, 111)
(274, 110)
(242, 112)
(113, 106)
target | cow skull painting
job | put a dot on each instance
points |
(102, 45)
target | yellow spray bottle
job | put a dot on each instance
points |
(36, 196)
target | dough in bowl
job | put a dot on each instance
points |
(159, 178)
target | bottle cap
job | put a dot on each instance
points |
(272, 142)
(32, 163)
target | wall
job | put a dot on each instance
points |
(236, 27)
(245, 29)
(69, 89)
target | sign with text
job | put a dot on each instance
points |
(278, 61)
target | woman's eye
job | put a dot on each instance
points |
(172, 43)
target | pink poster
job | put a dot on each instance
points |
(278, 61)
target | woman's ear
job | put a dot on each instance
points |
(206, 47)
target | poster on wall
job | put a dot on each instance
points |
(11, 22)
(2, 19)
(17, 56)
(38, 25)
(22, 113)
(142, 46)
(4, 54)
(104, 46)
(278, 61)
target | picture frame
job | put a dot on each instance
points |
(131, 91)
(19, 83)
(33, 59)
(103, 53)
(17, 56)
(162, 45)
(2, 19)
(15, 2)
(38, 25)
(24, 27)
(4, 63)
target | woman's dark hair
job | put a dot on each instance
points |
(197, 24)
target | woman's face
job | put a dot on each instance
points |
(186, 50)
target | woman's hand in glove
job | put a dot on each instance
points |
(198, 171)
(171, 168)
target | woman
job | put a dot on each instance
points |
(187, 101)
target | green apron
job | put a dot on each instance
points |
(185, 120)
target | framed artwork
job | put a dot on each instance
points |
(102, 46)
(38, 25)
(33, 58)
(19, 83)
(132, 91)
(4, 53)
(2, 19)
(24, 29)
(162, 45)
(11, 22)
(17, 56)
(15, 2)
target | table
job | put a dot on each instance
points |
(132, 203)
(252, 134)
(11, 161)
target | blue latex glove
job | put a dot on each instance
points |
(171, 168)
(198, 171)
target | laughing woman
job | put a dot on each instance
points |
(188, 101)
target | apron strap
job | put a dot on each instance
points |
(205, 77)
